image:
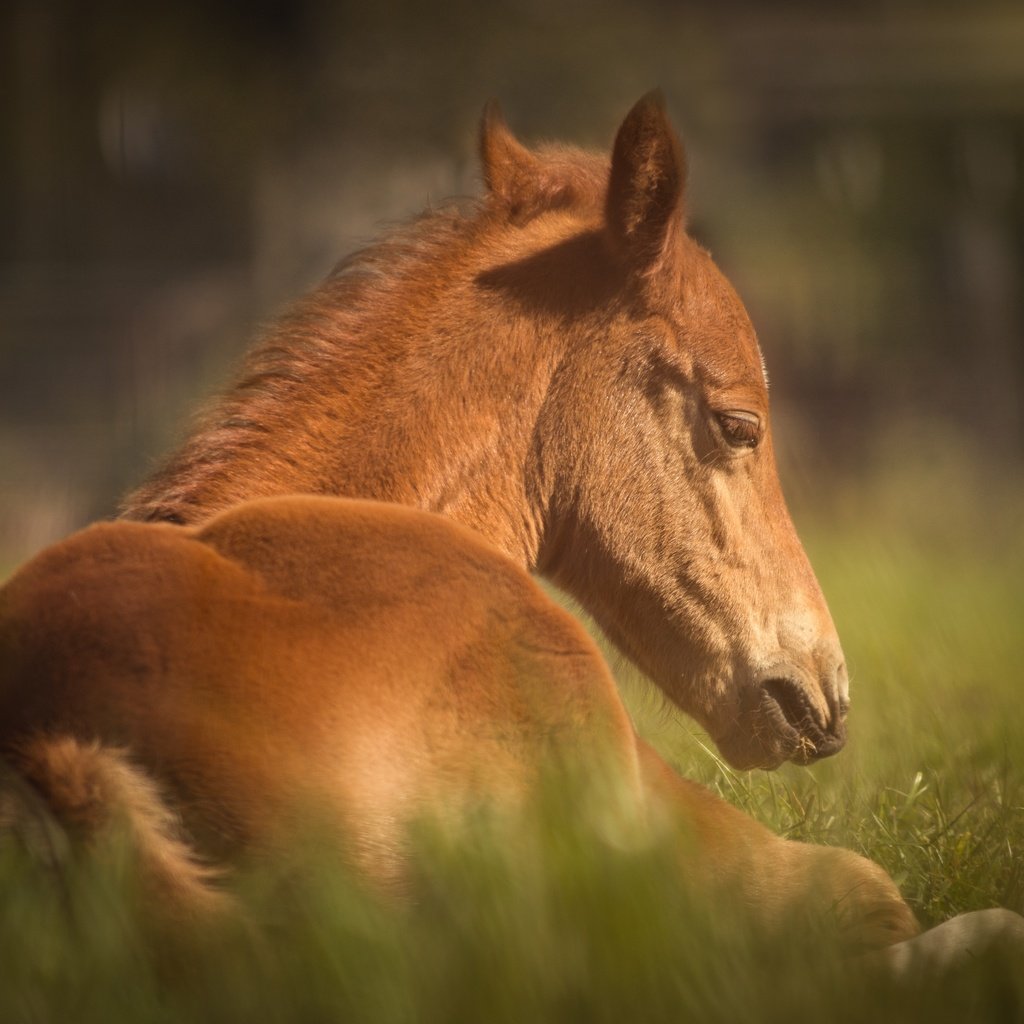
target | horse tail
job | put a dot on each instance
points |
(60, 791)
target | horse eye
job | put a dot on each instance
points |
(740, 429)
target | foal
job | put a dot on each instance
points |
(559, 381)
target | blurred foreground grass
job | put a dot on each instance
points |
(553, 924)
(926, 583)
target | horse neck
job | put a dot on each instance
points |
(427, 410)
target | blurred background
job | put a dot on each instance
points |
(172, 175)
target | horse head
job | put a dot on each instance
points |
(652, 462)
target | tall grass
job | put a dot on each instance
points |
(559, 921)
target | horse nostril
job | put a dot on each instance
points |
(818, 733)
(792, 701)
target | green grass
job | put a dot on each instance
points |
(560, 922)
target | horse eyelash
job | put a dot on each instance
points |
(739, 431)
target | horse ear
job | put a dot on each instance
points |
(509, 168)
(647, 182)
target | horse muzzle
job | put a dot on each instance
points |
(778, 721)
(799, 726)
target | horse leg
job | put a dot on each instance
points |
(774, 877)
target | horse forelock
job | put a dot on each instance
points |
(282, 379)
(564, 178)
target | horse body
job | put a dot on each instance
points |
(562, 382)
(369, 657)
(368, 661)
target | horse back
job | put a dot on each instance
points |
(370, 658)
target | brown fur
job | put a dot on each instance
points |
(569, 381)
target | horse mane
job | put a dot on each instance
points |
(268, 431)
(316, 338)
